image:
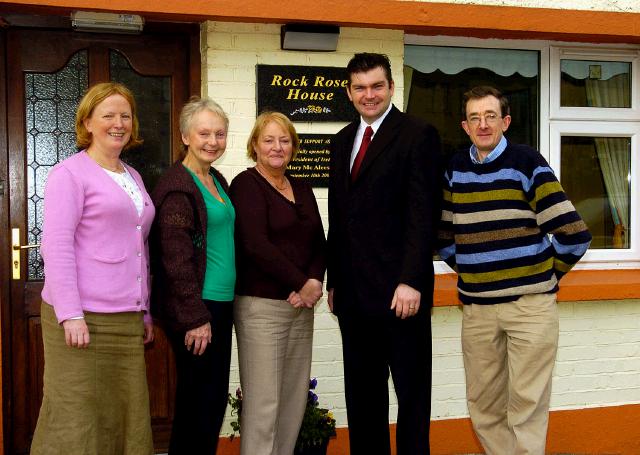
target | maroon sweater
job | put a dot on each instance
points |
(279, 244)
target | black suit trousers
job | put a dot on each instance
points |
(373, 347)
(202, 386)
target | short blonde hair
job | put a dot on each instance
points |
(95, 95)
(194, 106)
(261, 123)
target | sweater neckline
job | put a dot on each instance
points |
(496, 163)
(261, 178)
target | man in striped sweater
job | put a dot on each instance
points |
(510, 233)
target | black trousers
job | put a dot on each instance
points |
(202, 386)
(373, 347)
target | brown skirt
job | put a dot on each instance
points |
(96, 399)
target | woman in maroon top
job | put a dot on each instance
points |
(280, 264)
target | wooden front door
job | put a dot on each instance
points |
(46, 73)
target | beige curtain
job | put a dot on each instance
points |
(614, 154)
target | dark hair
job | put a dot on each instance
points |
(363, 62)
(482, 91)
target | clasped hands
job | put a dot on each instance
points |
(307, 296)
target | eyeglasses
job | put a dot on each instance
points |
(490, 119)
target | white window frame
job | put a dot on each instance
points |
(593, 113)
(599, 122)
(606, 258)
(556, 121)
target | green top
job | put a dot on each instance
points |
(220, 275)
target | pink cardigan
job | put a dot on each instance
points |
(94, 244)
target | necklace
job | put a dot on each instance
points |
(274, 184)
(118, 168)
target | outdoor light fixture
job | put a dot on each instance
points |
(87, 21)
(309, 37)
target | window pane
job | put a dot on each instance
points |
(436, 77)
(596, 175)
(50, 107)
(589, 83)
(153, 99)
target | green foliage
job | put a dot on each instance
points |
(236, 410)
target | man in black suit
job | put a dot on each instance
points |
(384, 201)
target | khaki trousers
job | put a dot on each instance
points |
(274, 354)
(509, 351)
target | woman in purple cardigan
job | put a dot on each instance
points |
(95, 318)
(280, 248)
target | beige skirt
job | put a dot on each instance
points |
(96, 399)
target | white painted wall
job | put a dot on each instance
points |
(599, 354)
(629, 6)
(597, 364)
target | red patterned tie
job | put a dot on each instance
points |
(366, 140)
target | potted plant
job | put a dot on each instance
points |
(318, 424)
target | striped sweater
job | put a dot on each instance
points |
(507, 227)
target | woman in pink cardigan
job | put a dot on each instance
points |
(95, 318)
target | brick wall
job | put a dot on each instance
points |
(599, 354)
(597, 364)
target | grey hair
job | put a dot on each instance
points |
(196, 105)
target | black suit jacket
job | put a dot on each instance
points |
(382, 226)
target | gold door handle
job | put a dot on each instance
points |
(15, 252)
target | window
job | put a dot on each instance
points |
(438, 76)
(595, 126)
(590, 83)
(579, 105)
(594, 84)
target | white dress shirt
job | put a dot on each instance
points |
(360, 134)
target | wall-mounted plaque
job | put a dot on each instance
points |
(305, 93)
(312, 161)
